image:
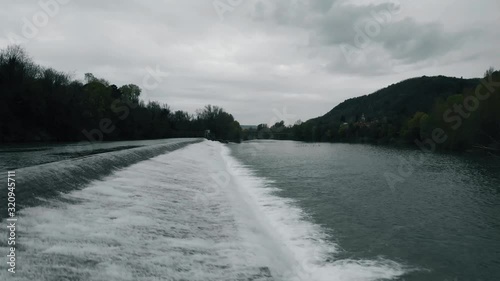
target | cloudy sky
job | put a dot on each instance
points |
(261, 60)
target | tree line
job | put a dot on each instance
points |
(43, 104)
(465, 113)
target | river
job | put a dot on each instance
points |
(190, 209)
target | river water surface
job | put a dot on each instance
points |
(189, 209)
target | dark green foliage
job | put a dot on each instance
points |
(408, 111)
(401, 100)
(42, 104)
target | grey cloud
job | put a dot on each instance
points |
(409, 41)
(338, 26)
(332, 24)
(263, 55)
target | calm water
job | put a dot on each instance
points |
(189, 209)
(442, 222)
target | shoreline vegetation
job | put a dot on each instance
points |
(40, 104)
(444, 113)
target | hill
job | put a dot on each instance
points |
(398, 100)
(466, 111)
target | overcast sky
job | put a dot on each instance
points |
(261, 60)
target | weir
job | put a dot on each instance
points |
(166, 217)
(40, 182)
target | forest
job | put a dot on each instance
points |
(461, 113)
(43, 104)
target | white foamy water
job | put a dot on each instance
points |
(168, 219)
